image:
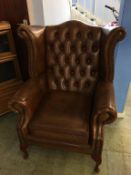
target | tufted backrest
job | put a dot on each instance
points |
(72, 56)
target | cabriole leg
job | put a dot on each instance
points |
(23, 144)
(98, 161)
(97, 154)
(23, 148)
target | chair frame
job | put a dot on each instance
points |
(104, 110)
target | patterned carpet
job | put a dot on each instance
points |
(116, 155)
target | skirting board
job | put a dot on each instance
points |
(121, 115)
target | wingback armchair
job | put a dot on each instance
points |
(69, 96)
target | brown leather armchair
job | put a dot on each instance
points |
(69, 96)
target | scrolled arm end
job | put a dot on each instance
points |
(104, 110)
(104, 103)
(16, 107)
(117, 33)
(27, 98)
(105, 115)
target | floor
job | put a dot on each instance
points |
(116, 155)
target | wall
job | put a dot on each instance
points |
(123, 60)
(97, 7)
(56, 11)
(88, 4)
(30, 11)
(102, 12)
(48, 12)
(35, 8)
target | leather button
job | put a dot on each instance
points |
(95, 47)
(84, 47)
(73, 47)
(61, 71)
(90, 35)
(52, 46)
(56, 82)
(93, 73)
(79, 34)
(66, 83)
(72, 72)
(67, 35)
(66, 60)
(88, 61)
(56, 58)
(56, 34)
(62, 47)
(78, 61)
(76, 84)
(51, 68)
(82, 72)
(87, 84)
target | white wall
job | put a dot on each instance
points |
(56, 11)
(30, 11)
(97, 7)
(87, 4)
(35, 8)
(48, 12)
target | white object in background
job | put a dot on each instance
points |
(35, 10)
(76, 15)
(48, 12)
(103, 13)
(86, 18)
(56, 11)
(30, 11)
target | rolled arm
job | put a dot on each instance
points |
(104, 103)
(104, 112)
(27, 98)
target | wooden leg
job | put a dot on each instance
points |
(23, 144)
(98, 161)
(23, 148)
(97, 154)
(96, 169)
(97, 143)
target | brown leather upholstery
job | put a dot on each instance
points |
(70, 95)
(57, 113)
(72, 57)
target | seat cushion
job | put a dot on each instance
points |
(62, 116)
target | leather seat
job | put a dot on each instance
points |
(58, 116)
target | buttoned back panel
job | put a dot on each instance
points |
(72, 56)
